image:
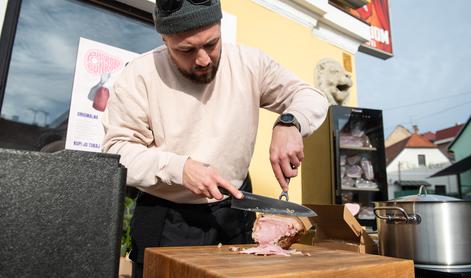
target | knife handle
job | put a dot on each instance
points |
(285, 193)
(224, 191)
(287, 180)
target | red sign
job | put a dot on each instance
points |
(376, 13)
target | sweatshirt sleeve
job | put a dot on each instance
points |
(283, 92)
(128, 133)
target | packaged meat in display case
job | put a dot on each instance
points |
(349, 162)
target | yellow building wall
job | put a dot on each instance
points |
(295, 47)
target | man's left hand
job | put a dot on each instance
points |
(286, 153)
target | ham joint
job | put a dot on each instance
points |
(275, 234)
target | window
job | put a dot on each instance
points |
(440, 189)
(38, 86)
(421, 158)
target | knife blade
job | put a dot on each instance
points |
(259, 203)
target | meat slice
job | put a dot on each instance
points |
(275, 234)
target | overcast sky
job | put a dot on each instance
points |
(428, 81)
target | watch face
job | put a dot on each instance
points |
(287, 118)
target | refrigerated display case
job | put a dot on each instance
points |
(345, 161)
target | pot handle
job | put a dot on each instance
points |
(410, 219)
(422, 188)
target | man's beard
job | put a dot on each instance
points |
(201, 78)
(206, 78)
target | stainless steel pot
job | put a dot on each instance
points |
(430, 229)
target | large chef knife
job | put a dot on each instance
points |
(258, 203)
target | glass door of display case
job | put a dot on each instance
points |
(359, 159)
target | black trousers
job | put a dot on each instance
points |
(158, 222)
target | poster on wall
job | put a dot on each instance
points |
(96, 68)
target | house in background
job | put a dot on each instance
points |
(429, 136)
(461, 147)
(398, 134)
(461, 169)
(410, 163)
(444, 137)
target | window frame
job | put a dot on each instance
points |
(10, 23)
(419, 156)
(441, 187)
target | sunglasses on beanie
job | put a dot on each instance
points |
(170, 6)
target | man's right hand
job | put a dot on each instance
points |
(204, 180)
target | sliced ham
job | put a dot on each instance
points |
(354, 208)
(268, 250)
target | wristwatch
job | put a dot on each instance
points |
(287, 119)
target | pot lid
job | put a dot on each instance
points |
(424, 197)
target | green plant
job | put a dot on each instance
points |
(129, 205)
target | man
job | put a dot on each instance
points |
(184, 119)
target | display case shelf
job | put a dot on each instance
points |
(350, 188)
(369, 149)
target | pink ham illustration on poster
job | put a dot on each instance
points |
(96, 68)
(100, 63)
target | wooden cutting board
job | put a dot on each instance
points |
(214, 261)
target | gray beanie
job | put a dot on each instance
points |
(188, 17)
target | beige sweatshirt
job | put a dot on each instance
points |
(156, 118)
